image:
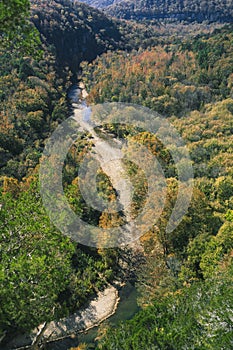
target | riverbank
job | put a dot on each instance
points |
(126, 309)
(98, 310)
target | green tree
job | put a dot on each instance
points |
(35, 264)
(200, 317)
(217, 248)
(13, 14)
(16, 31)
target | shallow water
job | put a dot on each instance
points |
(126, 309)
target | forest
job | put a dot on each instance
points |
(173, 10)
(183, 278)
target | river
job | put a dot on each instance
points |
(126, 309)
(127, 306)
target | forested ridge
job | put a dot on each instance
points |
(185, 277)
(175, 10)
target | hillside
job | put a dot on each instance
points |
(183, 278)
(77, 31)
(174, 10)
(100, 4)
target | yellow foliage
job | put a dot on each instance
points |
(11, 185)
(80, 347)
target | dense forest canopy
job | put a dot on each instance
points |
(185, 277)
(16, 31)
(175, 10)
(13, 14)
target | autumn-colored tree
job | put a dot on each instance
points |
(11, 185)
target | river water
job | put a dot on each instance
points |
(126, 309)
(127, 306)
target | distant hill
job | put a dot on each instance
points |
(175, 10)
(100, 4)
(77, 31)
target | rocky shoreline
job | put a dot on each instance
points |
(99, 309)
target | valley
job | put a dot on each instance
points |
(174, 60)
